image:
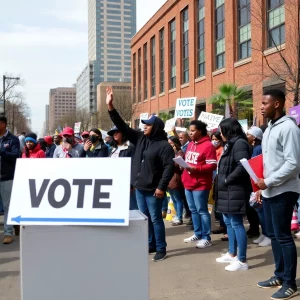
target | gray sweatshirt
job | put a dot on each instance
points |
(75, 152)
(281, 156)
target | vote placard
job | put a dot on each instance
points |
(185, 108)
(71, 191)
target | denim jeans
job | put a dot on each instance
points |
(133, 203)
(151, 206)
(5, 193)
(278, 214)
(178, 198)
(198, 204)
(237, 237)
(262, 220)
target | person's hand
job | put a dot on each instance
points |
(67, 146)
(261, 184)
(87, 145)
(191, 170)
(258, 197)
(109, 96)
(159, 193)
(174, 129)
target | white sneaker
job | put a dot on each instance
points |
(203, 244)
(191, 239)
(265, 242)
(259, 240)
(237, 266)
(226, 258)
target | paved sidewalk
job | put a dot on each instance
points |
(187, 274)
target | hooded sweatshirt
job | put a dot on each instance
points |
(152, 164)
(281, 157)
(37, 152)
(202, 156)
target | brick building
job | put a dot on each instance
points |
(190, 47)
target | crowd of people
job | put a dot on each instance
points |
(214, 170)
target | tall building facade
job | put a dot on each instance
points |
(111, 25)
(190, 47)
(46, 126)
(62, 101)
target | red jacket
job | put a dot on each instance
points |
(202, 155)
(37, 152)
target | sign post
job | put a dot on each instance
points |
(94, 202)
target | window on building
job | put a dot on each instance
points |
(220, 33)
(152, 45)
(172, 27)
(276, 23)
(161, 60)
(201, 37)
(145, 72)
(185, 45)
(134, 77)
(244, 31)
(139, 76)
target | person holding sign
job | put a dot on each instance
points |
(197, 180)
(152, 170)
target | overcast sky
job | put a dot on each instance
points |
(45, 42)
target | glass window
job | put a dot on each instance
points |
(185, 45)
(161, 61)
(220, 33)
(145, 72)
(244, 29)
(113, 23)
(276, 23)
(152, 45)
(115, 6)
(110, 40)
(172, 28)
(114, 12)
(201, 38)
(139, 75)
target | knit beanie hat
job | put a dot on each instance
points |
(31, 137)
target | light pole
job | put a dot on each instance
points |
(4, 79)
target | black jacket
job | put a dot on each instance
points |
(152, 165)
(50, 151)
(100, 151)
(129, 152)
(9, 152)
(233, 187)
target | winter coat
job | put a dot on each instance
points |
(101, 150)
(152, 165)
(50, 151)
(9, 152)
(233, 187)
(37, 152)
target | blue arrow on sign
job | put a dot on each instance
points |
(66, 220)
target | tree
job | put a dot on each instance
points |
(165, 116)
(233, 97)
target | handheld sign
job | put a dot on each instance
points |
(92, 191)
(212, 120)
(77, 127)
(170, 124)
(185, 108)
(143, 116)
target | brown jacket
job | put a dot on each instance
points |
(176, 183)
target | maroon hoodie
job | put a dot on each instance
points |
(202, 155)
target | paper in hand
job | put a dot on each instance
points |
(180, 161)
(248, 168)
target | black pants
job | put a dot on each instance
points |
(253, 219)
(278, 215)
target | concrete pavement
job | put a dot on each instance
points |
(187, 274)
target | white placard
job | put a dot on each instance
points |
(185, 108)
(212, 120)
(170, 124)
(244, 124)
(143, 116)
(181, 129)
(71, 191)
(77, 127)
(181, 162)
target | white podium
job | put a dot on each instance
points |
(85, 262)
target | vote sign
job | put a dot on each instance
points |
(185, 108)
(75, 191)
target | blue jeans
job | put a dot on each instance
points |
(278, 214)
(133, 203)
(237, 237)
(262, 221)
(165, 204)
(178, 198)
(151, 206)
(198, 204)
(5, 193)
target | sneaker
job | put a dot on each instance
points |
(177, 222)
(203, 244)
(265, 242)
(237, 266)
(285, 293)
(192, 239)
(226, 258)
(7, 240)
(159, 256)
(259, 240)
(270, 283)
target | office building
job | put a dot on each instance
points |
(46, 124)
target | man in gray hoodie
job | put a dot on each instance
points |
(280, 190)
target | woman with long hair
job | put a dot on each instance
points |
(175, 187)
(95, 146)
(32, 147)
(233, 191)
